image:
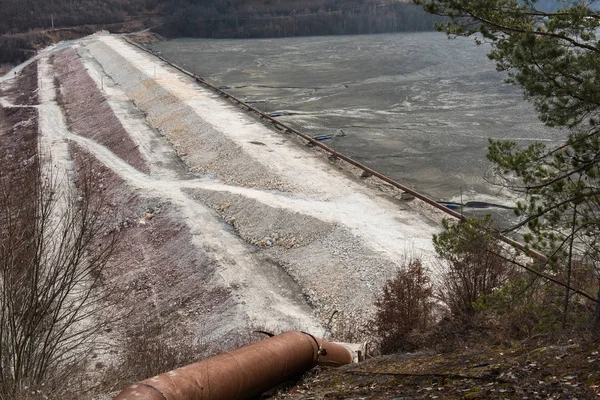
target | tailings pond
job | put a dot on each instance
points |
(417, 107)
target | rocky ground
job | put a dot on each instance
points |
(321, 240)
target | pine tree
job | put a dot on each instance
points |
(551, 51)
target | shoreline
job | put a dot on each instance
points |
(435, 210)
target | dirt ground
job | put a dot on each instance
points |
(560, 371)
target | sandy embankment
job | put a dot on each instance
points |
(247, 228)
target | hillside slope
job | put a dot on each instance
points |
(29, 25)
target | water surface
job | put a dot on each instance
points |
(417, 107)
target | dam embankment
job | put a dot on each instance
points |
(304, 215)
(227, 224)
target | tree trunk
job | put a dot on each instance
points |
(596, 326)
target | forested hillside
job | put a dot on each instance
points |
(22, 15)
(243, 19)
(28, 25)
(233, 18)
(31, 24)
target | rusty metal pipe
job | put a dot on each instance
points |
(243, 373)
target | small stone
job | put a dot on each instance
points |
(407, 196)
(223, 206)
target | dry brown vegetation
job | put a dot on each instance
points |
(54, 299)
(480, 298)
(150, 348)
(405, 306)
(17, 48)
(51, 262)
(59, 248)
(26, 87)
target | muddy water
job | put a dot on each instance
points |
(417, 107)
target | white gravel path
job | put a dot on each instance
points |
(53, 143)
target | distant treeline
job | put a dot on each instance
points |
(226, 18)
(257, 19)
(19, 16)
(27, 25)
(219, 18)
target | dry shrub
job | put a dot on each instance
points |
(473, 265)
(585, 276)
(53, 303)
(350, 329)
(481, 290)
(482, 298)
(151, 349)
(69, 382)
(528, 306)
(404, 308)
(490, 300)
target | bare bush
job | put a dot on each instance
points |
(474, 266)
(150, 349)
(53, 248)
(483, 295)
(405, 306)
(351, 328)
(153, 350)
